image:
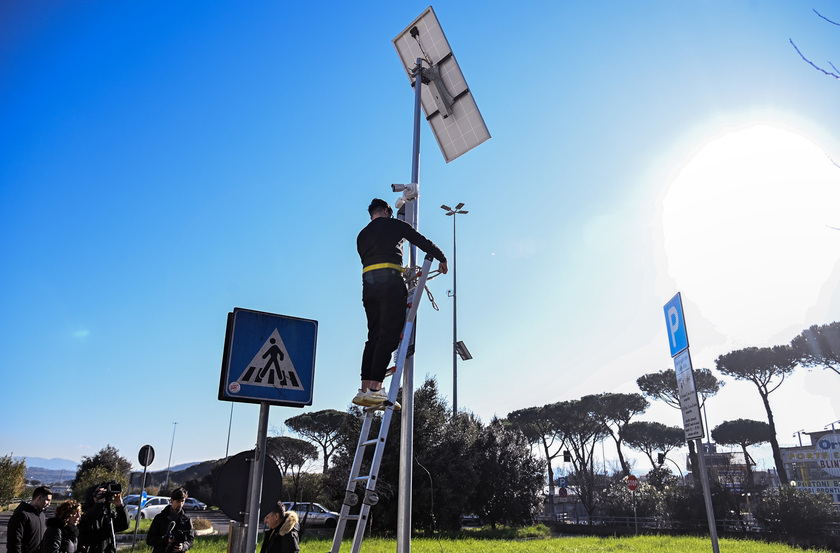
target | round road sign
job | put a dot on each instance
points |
(146, 455)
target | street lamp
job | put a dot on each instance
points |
(799, 434)
(458, 348)
(169, 465)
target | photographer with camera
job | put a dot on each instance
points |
(104, 516)
(171, 530)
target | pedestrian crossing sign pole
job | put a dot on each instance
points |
(268, 358)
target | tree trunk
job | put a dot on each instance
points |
(774, 443)
(550, 480)
(748, 485)
(624, 468)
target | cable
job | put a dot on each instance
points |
(432, 497)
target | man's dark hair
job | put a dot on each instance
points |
(41, 491)
(179, 494)
(378, 204)
(279, 508)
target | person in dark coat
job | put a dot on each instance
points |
(62, 535)
(27, 524)
(99, 522)
(282, 533)
(171, 529)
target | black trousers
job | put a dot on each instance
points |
(384, 297)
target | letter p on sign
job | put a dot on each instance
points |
(677, 335)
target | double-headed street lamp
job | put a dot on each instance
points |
(458, 348)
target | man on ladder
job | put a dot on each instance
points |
(384, 293)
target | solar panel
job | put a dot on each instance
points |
(447, 101)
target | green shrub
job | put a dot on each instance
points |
(793, 511)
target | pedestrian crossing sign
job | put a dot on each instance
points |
(268, 358)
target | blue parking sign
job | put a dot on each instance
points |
(675, 322)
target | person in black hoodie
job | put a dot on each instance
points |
(171, 530)
(62, 535)
(282, 532)
(27, 525)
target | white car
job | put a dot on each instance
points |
(154, 504)
(314, 513)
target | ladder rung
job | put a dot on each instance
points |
(351, 517)
(370, 442)
(361, 478)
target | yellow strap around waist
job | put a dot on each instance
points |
(382, 266)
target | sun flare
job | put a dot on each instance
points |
(748, 232)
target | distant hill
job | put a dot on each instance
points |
(58, 471)
(192, 471)
(51, 464)
(49, 476)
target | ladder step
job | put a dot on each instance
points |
(351, 517)
(361, 478)
(370, 442)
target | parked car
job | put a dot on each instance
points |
(193, 504)
(314, 513)
(154, 505)
(470, 520)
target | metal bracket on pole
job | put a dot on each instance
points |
(441, 96)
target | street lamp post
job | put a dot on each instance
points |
(171, 445)
(454, 213)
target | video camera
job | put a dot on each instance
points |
(108, 490)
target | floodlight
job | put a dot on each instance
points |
(463, 352)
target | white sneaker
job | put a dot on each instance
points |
(361, 399)
(382, 406)
(376, 396)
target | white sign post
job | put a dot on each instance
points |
(690, 406)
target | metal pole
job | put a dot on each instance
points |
(171, 445)
(230, 425)
(139, 506)
(407, 434)
(707, 494)
(454, 318)
(252, 516)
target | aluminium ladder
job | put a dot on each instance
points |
(351, 498)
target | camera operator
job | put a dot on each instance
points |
(105, 516)
(171, 530)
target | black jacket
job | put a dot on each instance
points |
(182, 532)
(95, 527)
(285, 538)
(25, 530)
(381, 242)
(60, 538)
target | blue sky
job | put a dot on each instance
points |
(162, 163)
